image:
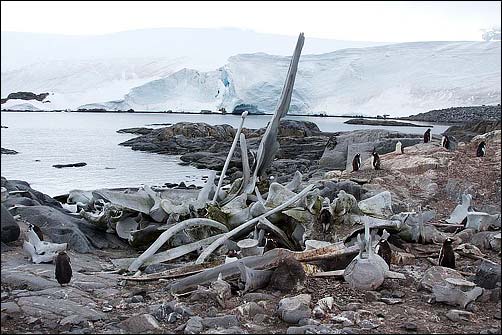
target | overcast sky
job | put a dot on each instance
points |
(360, 21)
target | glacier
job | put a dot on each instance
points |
(396, 79)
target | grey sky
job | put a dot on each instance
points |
(359, 21)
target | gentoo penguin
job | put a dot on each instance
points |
(356, 163)
(427, 136)
(384, 251)
(325, 219)
(63, 268)
(446, 254)
(445, 142)
(481, 151)
(376, 160)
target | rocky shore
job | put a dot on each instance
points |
(459, 114)
(371, 122)
(102, 298)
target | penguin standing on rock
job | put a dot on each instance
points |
(376, 160)
(63, 268)
(325, 219)
(446, 254)
(481, 151)
(356, 163)
(427, 136)
(383, 250)
(445, 142)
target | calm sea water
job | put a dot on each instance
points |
(44, 139)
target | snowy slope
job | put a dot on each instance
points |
(397, 79)
(74, 83)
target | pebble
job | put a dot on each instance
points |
(212, 311)
(173, 317)
(353, 306)
(409, 326)
(372, 296)
(391, 301)
(193, 325)
(367, 324)
(457, 315)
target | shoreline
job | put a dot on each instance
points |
(227, 114)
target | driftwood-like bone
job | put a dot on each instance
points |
(253, 279)
(165, 236)
(249, 225)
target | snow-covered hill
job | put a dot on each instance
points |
(74, 83)
(398, 79)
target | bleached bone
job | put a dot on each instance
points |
(460, 212)
(237, 210)
(249, 247)
(125, 226)
(270, 227)
(268, 146)
(4, 194)
(41, 251)
(249, 225)
(206, 190)
(259, 197)
(268, 260)
(44, 247)
(168, 255)
(156, 212)
(165, 236)
(139, 201)
(230, 154)
(79, 196)
(35, 258)
(295, 182)
(480, 221)
(246, 172)
(253, 279)
(99, 219)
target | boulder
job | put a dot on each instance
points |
(295, 308)
(139, 324)
(437, 275)
(379, 205)
(455, 291)
(482, 221)
(341, 147)
(193, 325)
(43, 199)
(10, 228)
(59, 227)
(488, 275)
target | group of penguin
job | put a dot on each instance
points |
(445, 143)
(375, 161)
(446, 254)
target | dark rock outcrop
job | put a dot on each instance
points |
(459, 114)
(28, 192)
(466, 132)
(59, 166)
(63, 228)
(137, 131)
(8, 151)
(26, 96)
(206, 146)
(371, 122)
(10, 228)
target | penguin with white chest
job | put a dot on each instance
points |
(375, 160)
(356, 162)
(445, 142)
(481, 151)
(447, 255)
